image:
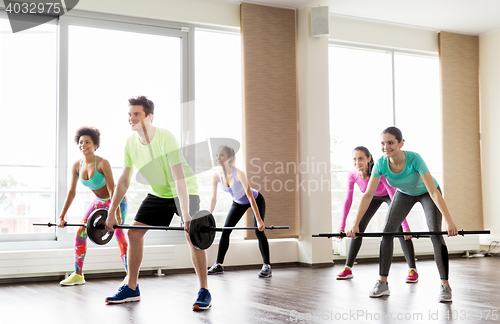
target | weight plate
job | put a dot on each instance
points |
(201, 237)
(95, 227)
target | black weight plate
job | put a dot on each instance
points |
(202, 238)
(95, 227)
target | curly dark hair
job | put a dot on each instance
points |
(147, 105)
(93, 132)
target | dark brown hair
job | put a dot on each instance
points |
(147, 105)
(394, 131)
(368, 155)
(230, 152)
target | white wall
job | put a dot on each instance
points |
(314, 142)
(208, 12)
(383, 34)
(489, 80)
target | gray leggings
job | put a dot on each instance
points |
(398, 210)
(406, 245)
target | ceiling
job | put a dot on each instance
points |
(473, 17)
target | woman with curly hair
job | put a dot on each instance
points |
(93, 172)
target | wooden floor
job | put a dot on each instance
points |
(292, 295)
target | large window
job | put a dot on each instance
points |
(28, 110)
(371, 89)
(100, 82)
(218, 103)
(84, 71)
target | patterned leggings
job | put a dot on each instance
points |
(81, 234)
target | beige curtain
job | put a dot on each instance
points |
(459, 69)
(270, 136)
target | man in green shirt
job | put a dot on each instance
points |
(158, 157)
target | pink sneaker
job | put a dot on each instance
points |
(345, 274)
(412, 275)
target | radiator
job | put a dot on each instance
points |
(60, 261)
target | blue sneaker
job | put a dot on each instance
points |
(204, 300)
(125, 294)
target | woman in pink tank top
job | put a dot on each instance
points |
(363, 163)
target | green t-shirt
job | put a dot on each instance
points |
(409, 180)
(155, 160)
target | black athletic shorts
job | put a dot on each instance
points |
(157, 211)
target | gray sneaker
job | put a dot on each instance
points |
(445, 293)
(265, 271)
(381, 288)
(217, 268)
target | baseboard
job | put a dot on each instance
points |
(97, 275)
(143, 273)
(316, 265)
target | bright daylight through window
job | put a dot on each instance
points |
(365, 98)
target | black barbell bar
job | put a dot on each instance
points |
(201, 228)
(220, 229)
(166, 228)
(124, 226)
(49, 224)
(415, 234)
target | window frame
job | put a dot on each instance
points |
(389, 50)
(186, 32)
(223, 30)
(118, 23)
(35, 237)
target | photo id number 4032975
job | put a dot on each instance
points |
(33, 8)
(469, 315)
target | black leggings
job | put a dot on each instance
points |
(406, 245)
(400, 207)
(233, 217)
